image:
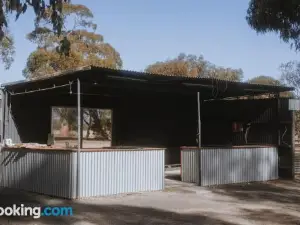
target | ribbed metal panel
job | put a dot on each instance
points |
(45, 172)
(294, 104)
(190, 165)
(1, 116)
(238, 165)
(102, 173)
(121, 171)
(10, 129)
(297, 163)
(297, 157)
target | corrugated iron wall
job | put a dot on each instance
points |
(1, 114)
(286, 134)
(121, 171)
(229, 165)
(190, 165)
(9, 129)
(45, 172)
(6, 118)
(101, 173)
(26, 119)
(297, 158)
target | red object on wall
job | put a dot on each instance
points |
(237, 127)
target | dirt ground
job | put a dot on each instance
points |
(275, 202)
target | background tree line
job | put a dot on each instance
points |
(60, 46)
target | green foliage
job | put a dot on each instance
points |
(290, 75)
(67, 116)
(80, 45)
(280, 16)
(99, 121)
(41, 9)
(194, 66)
(297, 123)
(267, 80)
(7, 51)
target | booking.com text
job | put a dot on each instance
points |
(36, 212)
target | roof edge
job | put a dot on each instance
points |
(131, 73)
(48, 77)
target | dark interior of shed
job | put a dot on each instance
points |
(152, 113)
(156, 120)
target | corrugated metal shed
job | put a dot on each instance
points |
(53, 172)
(297, 163)
(1, 115)
(46, 172)
(114, 172)
(132, 80)
(190, 169)
(215, 166)
(297, 158)
(8, 126)
(239, 165)
(294, 104)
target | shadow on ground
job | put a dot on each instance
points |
(285, 192)
(175, 177)
(97, 214)
(267, 216)
(282, 196)
(283, 208)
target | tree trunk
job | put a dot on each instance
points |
(89, 127)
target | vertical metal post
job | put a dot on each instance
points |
(199, 119)
(7, 115)
(277, 125)
(278, 119)
(81, 125)
(293, 142)
(79, 138)
(3, 110)
(199, 138)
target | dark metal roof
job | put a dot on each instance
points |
(125, 79)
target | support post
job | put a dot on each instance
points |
(199, 138)
(81, 126)
(278, 119)
(199, 119)
(279, 147)
(3, 111)
(78, 138)
(293, 142)
(7, 114)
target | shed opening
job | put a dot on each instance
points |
(96, 127)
